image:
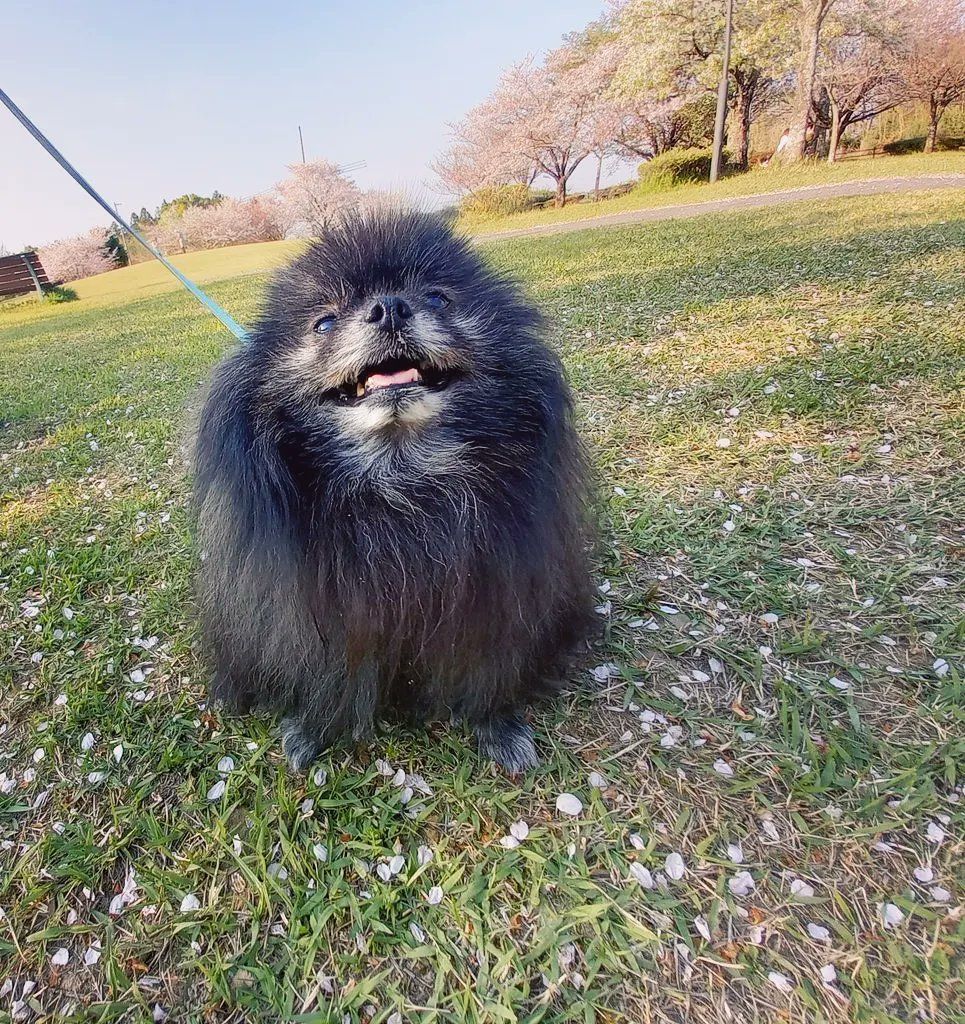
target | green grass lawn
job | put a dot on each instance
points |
(769, 760)
(760, 179)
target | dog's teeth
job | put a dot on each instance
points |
(359, 390)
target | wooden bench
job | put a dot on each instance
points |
(21, 273)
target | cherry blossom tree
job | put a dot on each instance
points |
(934, 69)
(859, 67)
(673, 52)
(314, 195)
(70, 259)
(231, 222)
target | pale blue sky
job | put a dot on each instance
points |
(151, 100)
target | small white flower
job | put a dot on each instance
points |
(384, 872)
(828, 974)
(320, 850)
(924, 874)
(434, 896)
(190, 903)
(891, 916)
(722, 767)
(675, 867)
(780, 981)
(642, 875)
(742, 884)
(396, 864)
(818, 932)
(567, 803)
(801, 889)
(61, 956)
(226, 764)
(216, 792)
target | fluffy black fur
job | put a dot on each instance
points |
(421, 548)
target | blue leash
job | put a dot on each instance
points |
(223, 315)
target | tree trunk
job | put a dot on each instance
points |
(835, 134)
(813, 13)
(560, 199)
(934, 116)
(599, 171)
(746, 87)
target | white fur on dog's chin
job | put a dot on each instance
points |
(368, 418)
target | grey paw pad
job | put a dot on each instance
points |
(510, 743)
(300, 748)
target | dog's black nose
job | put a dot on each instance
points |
(389, 312)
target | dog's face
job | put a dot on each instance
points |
(387, 328)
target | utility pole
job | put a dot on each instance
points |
(715, 160)
(301, 142)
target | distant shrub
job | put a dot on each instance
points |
(944, 144)
(675, 167)
(58, 293)
(502, 200)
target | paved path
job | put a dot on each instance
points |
(867, 187)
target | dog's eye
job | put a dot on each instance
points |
(436, 300)
(325, 324)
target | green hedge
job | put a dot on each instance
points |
(675, 167)
(943, 144)
(497, 201)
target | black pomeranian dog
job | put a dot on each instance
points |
(391, 497)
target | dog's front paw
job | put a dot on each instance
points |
(300, 746)
(508, 741)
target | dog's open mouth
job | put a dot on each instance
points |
(394, 376)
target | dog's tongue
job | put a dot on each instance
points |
(386, 380)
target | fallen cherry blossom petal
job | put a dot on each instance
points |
(190, 903)
(891, 916)
(742, 884)
(642, 875)
(567, 803)
(780, 981)
(675, 866)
